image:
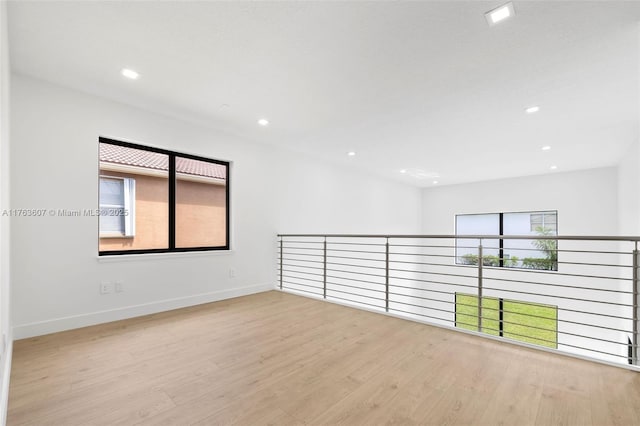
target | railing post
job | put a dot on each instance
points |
(480, 261)
(386, 277)
(636, 305)
(324, 269)
(281, 238)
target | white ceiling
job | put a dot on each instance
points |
(424, 86)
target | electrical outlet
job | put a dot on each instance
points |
(232, 273)
(106, 287)
(119, 287)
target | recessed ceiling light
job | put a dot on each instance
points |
(553, 167)
(532, 109)
(263, 122)
(133, 75)
(435, 182)
(546, 148)
(499, 14)
(351, 153)
(403, 171)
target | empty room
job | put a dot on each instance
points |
(319, 212)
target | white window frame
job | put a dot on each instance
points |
(129, 195)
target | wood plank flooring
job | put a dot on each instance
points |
(276, 358)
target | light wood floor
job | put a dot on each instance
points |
(276, 358)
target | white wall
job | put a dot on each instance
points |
(629, 192)
(56, 272)
(4, 173)
(629, 180)
(318, 198)
(5, 323)
(587, 204)
(586, 201)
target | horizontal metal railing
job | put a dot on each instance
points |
(579, 296)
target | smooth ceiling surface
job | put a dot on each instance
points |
(423, 86)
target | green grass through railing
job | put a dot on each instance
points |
(527, 322)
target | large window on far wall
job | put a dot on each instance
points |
(504, 252)
(154, 200)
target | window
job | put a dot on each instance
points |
(477, 224)
(524, 321)
(155, 200)
(200, 203)
(510, 253)
(543, 220)
(467, 313)
(117, 202)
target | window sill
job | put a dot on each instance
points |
(160, 256)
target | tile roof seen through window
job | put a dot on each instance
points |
(152, 160)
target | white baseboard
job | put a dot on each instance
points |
(6, 376)
(55, 325)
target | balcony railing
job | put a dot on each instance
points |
(572, 294)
